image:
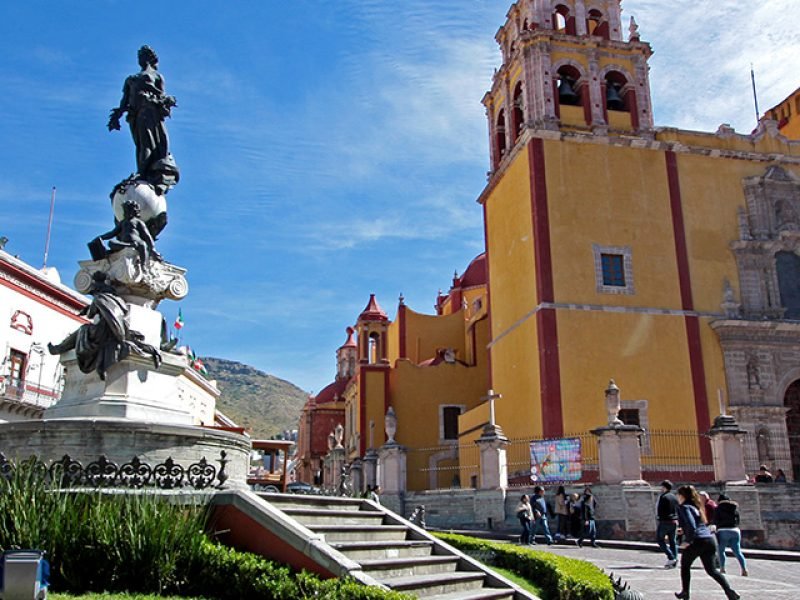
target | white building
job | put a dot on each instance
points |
(35, 308)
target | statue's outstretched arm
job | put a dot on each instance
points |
(112, 233)
(116, 113)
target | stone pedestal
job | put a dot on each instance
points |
(727, 450)
(370, 468)
(337, 462)
(357, 476)
(134, 389)
(619, 454)
(392, 468)
(494, 467)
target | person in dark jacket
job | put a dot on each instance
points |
(728, 533)
(667, 526)
(525, 516)
(540, 516)
(698, 542)
(588, 508)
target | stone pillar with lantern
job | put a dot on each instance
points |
(619, 451)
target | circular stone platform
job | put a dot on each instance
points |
(119, 440)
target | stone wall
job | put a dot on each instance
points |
(770, 513)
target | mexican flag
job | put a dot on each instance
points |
(198, 365)
(178, 321)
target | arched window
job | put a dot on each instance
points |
(518, 114)
(500, 136)
(616, 97)
(596, 24)
(788, 266)
(569, 92)
(561, 19)
(374, 351)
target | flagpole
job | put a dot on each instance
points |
(755, 94)
(49, 226)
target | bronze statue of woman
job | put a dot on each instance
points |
(147, 105)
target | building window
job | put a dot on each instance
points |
(613, 269)
(630, 416)
(448, 421)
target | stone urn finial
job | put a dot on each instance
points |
(613, 404)
(390, 423)
(338, 434)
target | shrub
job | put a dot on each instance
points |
(142, 543)
(559, 577)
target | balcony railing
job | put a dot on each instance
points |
(24, 392)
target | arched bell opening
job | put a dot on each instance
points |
(500, 138)
(563, 21)
(596, 24)
(569, 90)
(616, 97)
(518, 113)
(791, 401)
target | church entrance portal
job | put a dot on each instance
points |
(792, 402)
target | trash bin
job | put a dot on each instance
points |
(25, 575)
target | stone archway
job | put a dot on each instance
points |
(792, 402)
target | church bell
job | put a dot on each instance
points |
(566, 92)
(613, 99)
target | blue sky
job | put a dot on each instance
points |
(328, 150)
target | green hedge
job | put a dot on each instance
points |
(142, 543)
(226, 574)
(560, 578)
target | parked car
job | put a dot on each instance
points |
(301, 487)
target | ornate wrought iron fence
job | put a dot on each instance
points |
(673, 451)
(103, 473)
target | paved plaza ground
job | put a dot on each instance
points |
(644, 570)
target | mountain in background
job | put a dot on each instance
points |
(263, 404)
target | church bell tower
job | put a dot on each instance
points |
(567, 67)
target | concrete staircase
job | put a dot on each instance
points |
(391, 551)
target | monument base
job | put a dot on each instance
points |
(121, 440)
(134, 389)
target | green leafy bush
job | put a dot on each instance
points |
(142, 543)
(560, 578)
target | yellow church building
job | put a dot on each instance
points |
(666, 259)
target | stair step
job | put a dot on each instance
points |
(323, 516)
(361, 550)
(479, 594)
(424, 586)
(300, 501)
(410, 565)
(343, 533)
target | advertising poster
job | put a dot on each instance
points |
(556, 460)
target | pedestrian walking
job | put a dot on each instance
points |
(667, 524)
(728, 533)
(525, 516)
(588, 508)
(561, 509)
(780, 476)
(710, 508)
(540, 516)
(698, 542)
(575, 523)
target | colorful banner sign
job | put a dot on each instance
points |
(556, 460)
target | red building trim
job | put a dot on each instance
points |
(546, 326)
(401, 324)
(362, 411)
(586, 100)
(633, 106)
(45, 301)
(702, 415)
(488, 294)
